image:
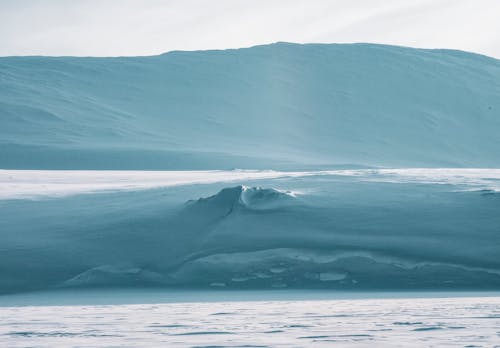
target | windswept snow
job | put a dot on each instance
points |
(45, 183)
(384, 169)
(23, 184)
(282, 106)
(345, 230)
(250, 319)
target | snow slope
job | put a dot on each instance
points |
(279, 106)
(315, 231)
(322, 117)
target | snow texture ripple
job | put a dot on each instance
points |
(413, 322)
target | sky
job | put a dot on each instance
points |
(148, 27)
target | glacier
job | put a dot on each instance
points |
(283, 166)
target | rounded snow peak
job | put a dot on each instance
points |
(248, 197)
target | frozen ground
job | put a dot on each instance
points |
(400, 321)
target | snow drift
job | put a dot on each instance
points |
(345, 109)
(339, 233)
(275, 106)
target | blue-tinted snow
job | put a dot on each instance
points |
(280, 106)
(323, 231)
(355, 112)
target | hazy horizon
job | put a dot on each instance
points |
(132, 28)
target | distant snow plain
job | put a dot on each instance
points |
(26, 184)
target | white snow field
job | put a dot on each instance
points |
(36, 184)
(44, 183)
(345, 322)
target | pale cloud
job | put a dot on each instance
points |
(146, 27)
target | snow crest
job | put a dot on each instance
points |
(340, 234)
(247, 197)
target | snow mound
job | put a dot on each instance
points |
(246, 197)
(260, 198)
(279, 106)
(341, 233)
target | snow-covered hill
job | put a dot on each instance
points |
(280, 106)
(321, 116)
(328, 231)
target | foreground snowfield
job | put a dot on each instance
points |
(346, 322)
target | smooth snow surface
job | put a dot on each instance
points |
(43, 183)
(21, 184)
(282, 106)
(397, 322)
